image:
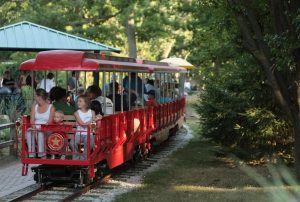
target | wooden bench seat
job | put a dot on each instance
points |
(69, 119)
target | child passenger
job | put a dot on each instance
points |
(59, 117)
(84, 117)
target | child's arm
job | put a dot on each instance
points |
(78, 119)
(93, 118)
(96, 117)
(80, 122)
(51, 116)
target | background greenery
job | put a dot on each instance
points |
(237, 106)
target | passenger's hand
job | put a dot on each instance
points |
(98, 117)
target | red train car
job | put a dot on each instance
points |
(119, 136)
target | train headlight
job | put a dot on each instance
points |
(56, 142)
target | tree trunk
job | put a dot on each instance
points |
(296, 128)
(254, 42)
(131, 39)
(296, 123)
(168, 49)
(217, 66)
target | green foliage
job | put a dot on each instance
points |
(237, 107)
(237, 110)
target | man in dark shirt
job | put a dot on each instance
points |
(118, 98)
(58, 96)
(7, 80)
(135, 81)
(73, 81)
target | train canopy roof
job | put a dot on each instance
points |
(27, 36)
(66, 60)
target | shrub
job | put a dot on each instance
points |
(237, 110)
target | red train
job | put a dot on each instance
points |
(117, 137)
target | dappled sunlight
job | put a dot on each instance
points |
(193, 188)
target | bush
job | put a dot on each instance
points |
(237, 110)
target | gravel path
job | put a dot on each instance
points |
(131, 178)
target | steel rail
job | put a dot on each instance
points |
(32, 193)
(87, 188)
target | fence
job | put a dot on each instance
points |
(11, 141)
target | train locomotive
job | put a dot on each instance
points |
(114, 139)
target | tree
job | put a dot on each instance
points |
(263, 24)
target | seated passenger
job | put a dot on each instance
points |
(84, 117)
(118, 98)
(41, 113)
(95, 93)
(96, 107)
(80, 91)
(8, 81)
(47, 83)
(108, 90)
(166, 97)
(59, 117)
(149, 85)
(73, 81)
(150, 97)
(135, 81)
(58, 96)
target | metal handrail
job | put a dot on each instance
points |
(11, 141)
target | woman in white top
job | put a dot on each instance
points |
(84, 117)
(41, 113)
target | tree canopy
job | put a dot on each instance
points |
(246, 54)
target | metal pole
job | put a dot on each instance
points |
(114, 91)
(168, 83)
(104, 93)
(76, 82)
(84, 81)
(67, 80)
(122, 99)
(163, 87)
(45, 77)
(56, 79)
(129, 90)
(109, 90)
(136, 89)
(156, 87)
(32, 85)
(143, 86)
(173, 86)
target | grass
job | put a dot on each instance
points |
(202, 172)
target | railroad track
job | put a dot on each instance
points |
(51, 192)
(102, 187)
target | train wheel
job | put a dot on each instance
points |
(137, 154)
(84, 179)
(153, 147)
(102, 169)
